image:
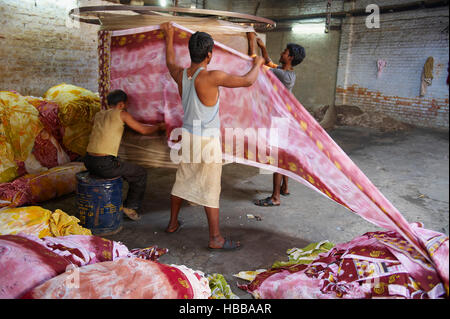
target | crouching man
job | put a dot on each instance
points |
(101, 159)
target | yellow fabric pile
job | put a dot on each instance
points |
(40, 222)
(19, 127)
(77, 107)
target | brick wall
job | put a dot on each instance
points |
(40, 47)
(316, 75)
(404, 40)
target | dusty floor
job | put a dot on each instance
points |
(410, 168)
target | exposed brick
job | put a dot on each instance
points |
(404, 40)
(38, 50)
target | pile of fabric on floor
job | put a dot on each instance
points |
(374, 265)
(39, 222)
(220, 289)
(41, 136)
(48, 255)
(36, 188)
(91, 267)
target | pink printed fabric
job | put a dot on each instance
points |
(125, 278)
(82, 250)
(374, 265)
(25, 264)
(48, 114)
(149, 253)
(134, 60)
(27, 261)
(49, 148)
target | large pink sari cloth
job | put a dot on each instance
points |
(134, 61)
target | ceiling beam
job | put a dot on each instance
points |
(360, 12)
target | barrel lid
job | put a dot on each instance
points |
(87, 178)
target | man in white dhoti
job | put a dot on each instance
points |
(198, 181)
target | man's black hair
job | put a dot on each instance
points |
(115, 97)
(296, 51)
(200, 44)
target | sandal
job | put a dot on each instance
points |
(267, 202)
(180, 224)
(228, 244)
(284, 194)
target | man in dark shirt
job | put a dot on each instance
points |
(292, 55)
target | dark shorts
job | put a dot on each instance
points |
(111, 166)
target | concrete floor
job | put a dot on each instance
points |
(410, 168)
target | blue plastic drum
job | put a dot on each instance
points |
(99, 203)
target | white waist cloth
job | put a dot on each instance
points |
(199, 173)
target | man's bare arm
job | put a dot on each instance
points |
(174, 69)
(264, 53)
(138, 126)
(220, 78)
(251, 43)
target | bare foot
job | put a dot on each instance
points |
(275, 201)
(222, 243)
(173, 227)
(216, 242)
(284, 190)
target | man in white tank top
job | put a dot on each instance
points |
(205, 91)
